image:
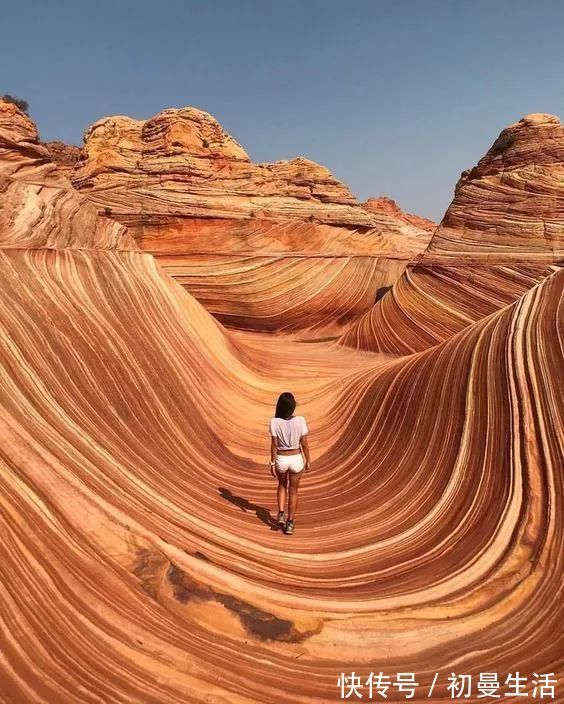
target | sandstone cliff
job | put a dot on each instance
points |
(502, 234)
(39, 206)
(388, 206)
(181, 162)
(191, 196)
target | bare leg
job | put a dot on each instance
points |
(294, 483)
(281, 493)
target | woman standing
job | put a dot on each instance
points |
(289, 455)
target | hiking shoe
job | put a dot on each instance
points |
(281, 520)
(289, 528)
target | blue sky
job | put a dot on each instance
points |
(395, 97)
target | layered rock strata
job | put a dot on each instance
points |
(290, 242)
(40, 208)
(140, 560)
(502, 234)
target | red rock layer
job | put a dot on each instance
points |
(503, 232)
(139, 559)
(190, 195)
(388, 206)
(64, 155)
(40, 208)
(286, 276)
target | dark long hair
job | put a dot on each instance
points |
(285, 405)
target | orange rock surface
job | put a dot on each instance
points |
(389, 206)
(502, 234)
(139, 557)
(181, 162)
(39, 207)
(64, 155)
(290, 242)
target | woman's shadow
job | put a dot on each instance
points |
(245, 505)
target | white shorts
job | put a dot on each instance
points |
(294, 463)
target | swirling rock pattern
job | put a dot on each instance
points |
(287, 276)
(219, 223)
(138, 558)
(40, 208)
(135, 527)
(503, 232)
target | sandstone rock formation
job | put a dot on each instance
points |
(389, 206)
(191, 196)
(139, 557)
(64, 155)
(502, 234)
(182, 163)
(40, 208)
(512, 202)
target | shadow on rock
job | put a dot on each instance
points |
(262, 513)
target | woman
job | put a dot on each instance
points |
(288, 448)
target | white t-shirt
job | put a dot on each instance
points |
(288, 432)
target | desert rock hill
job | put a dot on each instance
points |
(388, 206)
(511, 204)
(40, 208)
(502, 234)
(182, 162)
(191, 196)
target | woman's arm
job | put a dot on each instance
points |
(305, 449)
(273, 449)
